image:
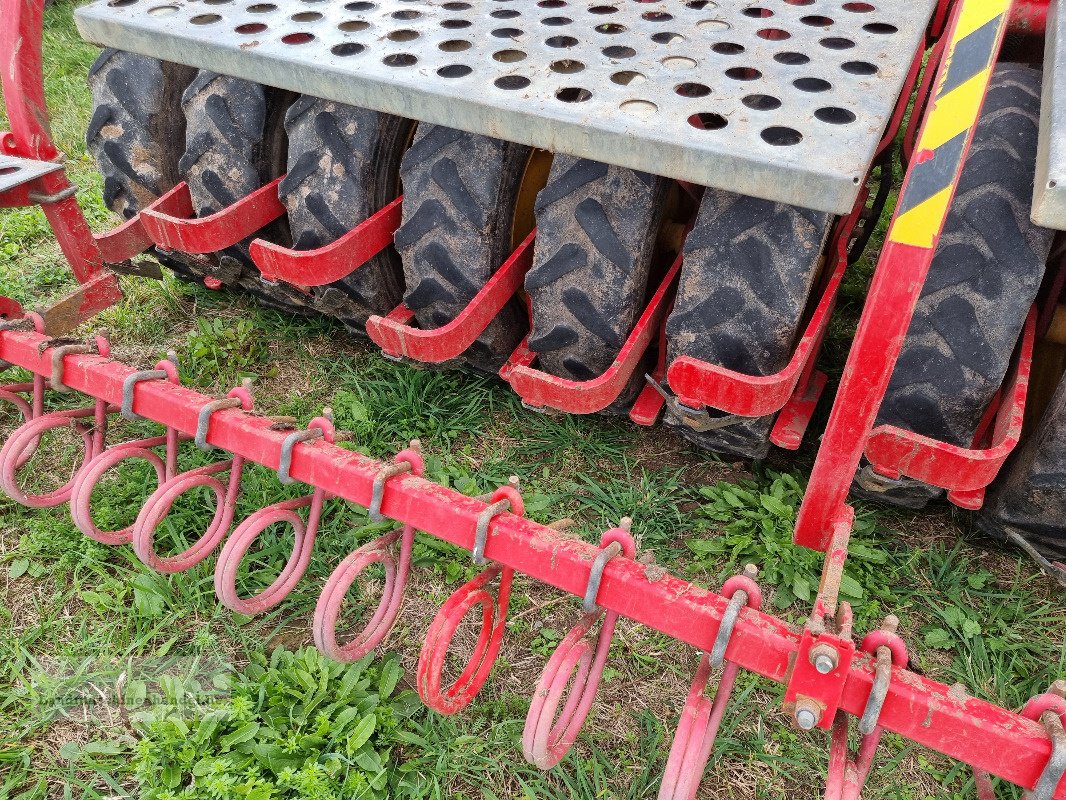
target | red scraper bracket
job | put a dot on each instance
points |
(333, 261)
(964, 472)
(794, 391)
(397, 337)
(171, 224)
(539, 389)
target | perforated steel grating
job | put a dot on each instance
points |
(17, 171)
(783, 99)
(1049, 196)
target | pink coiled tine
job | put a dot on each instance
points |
(24, 442)
(545, 740)
(700, 718)
(239, 542)
(327, 610)
(34, 408)
(847, 774)
(158, 506)
(107, 459)
(464, 689)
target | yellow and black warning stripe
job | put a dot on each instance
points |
(939, 153)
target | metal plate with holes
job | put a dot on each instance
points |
(782, 99)
(17, 171)
(1049, 193)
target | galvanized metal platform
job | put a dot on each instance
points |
(1049, 191)
(17, 171)
(782, 99)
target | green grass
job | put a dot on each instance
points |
(88, 629)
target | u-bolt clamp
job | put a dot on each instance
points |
(502, 501)
(848, 773)
(237, 398)
(1050, 710)
(612, 550)
(167, 369)
(285, 462)
(404, 462)
(889, 649)
(58, 354)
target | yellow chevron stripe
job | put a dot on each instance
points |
(918, 226)
(955, 112)
(949, 116)
(976, 13)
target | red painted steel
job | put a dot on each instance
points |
(333, 261)
(1029, 16)
(22, 81)
(998, 741)
(169, 221)
(963, 471)
(697, 728)
(539, 389)
(398, 338)
(894, 290)
(10, 308)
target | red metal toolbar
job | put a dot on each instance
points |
(993, 739)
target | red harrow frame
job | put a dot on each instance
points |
(826, 675)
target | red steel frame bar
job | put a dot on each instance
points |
(21, 78)
(991, 738)
(901, 271)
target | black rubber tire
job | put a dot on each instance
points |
(460, 191)
(749, 265)
(1029, 496)
(344, 165)
(596, 234)
(137, 127)
(234, 144)
(987, 270)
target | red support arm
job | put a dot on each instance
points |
(902, 269)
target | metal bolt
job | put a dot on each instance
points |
(807, 713)
(824, 657)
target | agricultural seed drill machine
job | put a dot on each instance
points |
(643, 208)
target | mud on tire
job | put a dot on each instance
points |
(984, 277)
(460, 191)
(234, 144)
(596, 236)
(137, 129)
(748, 269)
(343, 165)
(1029, 498)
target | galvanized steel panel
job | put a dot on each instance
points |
(1049, 191)
(782, 99)
(17, 171)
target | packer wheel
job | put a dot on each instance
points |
(344, 165)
